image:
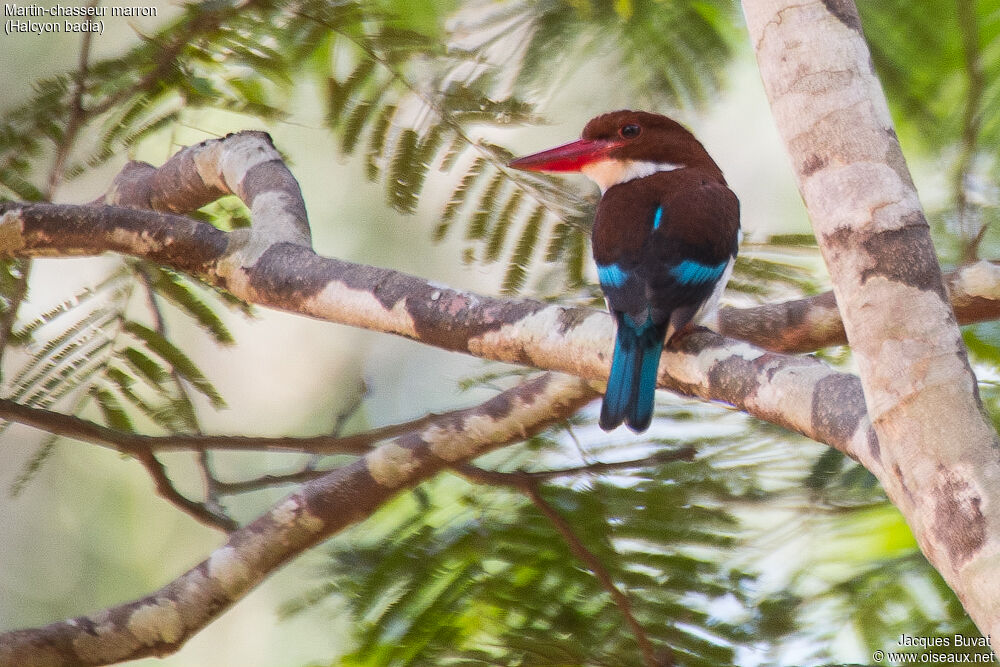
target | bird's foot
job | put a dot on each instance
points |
(675, 341)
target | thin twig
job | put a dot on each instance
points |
(340, 423)
(211, 508)
(309, 471)
(135, 443)
(78, 116)
(594, 564)
(167, 491)
(265, 481)
(528, 484)
(515, 479)
(518, 479)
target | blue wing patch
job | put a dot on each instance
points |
(690, 272)
(611, 275)
(658, 217)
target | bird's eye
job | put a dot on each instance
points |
(630, 131)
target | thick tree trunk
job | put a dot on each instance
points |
(936, 452)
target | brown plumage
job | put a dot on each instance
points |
(664, 238)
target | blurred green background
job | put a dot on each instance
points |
(396, 117)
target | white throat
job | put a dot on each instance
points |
(612, 172)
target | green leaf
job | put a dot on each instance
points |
(486, 210)
(405, 173)
(517, 270)
(340, 93)
(179, 291)
(459, 197)
(31, 469)
(354, 125)
(376, 144)
(179, 361)
(505, 221)
(114, 414)
(150, 370)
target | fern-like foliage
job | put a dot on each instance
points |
(483, 577)
(408, 126)
(408, 103)
(91, 347)
(867, 579)
(923, 68)
(942, 77)
(381, 100)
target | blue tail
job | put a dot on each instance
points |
(632, 383)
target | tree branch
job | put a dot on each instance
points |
(137, 444)
(201, 512)
(264, 481)
(161, 622)
(936, 450)
(812, 323)
(272, 264)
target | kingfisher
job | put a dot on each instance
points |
(665, 237)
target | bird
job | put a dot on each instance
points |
(665, 236)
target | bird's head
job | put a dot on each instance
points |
(623, 145)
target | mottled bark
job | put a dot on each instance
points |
(161, 622)
(937, 450)
(292, 277)
(812, 323)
